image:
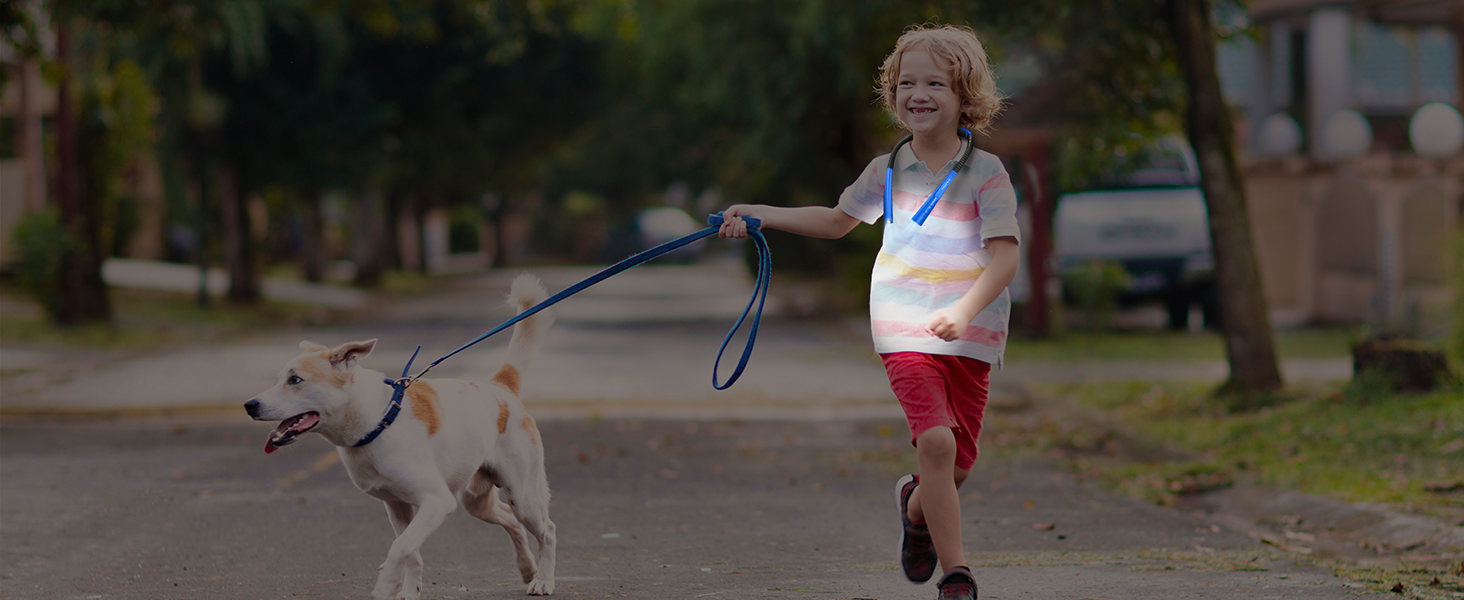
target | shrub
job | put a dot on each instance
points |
(1096, 286)
(40, 244)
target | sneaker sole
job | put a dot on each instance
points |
(900, 543)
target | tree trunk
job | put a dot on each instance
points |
(498, 215)
(1039, 248)
(368, 247)
(30, 142)
(313, 230)
(238, 241)
(419, 217)
(1243, 317)
(83, 293)
(391, 243)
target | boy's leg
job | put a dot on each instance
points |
(916, 512)
(936, 501)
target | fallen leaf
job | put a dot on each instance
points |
(1044, 526)
(669, 474)
(1451, 447)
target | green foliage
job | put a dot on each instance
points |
(18, 32)
(40, 244)
(1368, 387)
(1232, 400)
(462, 229)
(115, 131)
(1320, 441)
(1115, 66)
(1096, 286)
(1456, 345)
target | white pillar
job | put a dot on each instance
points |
(1328, 70)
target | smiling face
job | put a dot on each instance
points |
(925, 102)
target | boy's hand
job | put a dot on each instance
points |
(733, 227)
(948, 323)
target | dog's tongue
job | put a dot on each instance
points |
(288, 430)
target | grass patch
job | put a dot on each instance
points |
(1328, 342)
(1408, 581)
(1356, 443)
(145, 319)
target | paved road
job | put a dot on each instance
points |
(647, 509)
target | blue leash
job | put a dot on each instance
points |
(759, 297)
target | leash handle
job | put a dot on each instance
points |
(759, 297)
(716, 219)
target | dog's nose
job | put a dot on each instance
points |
(252, 407)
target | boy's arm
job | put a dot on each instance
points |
(949, 323)
(825, 222)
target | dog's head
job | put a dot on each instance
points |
(313, 388)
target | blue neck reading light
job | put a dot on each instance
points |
(924, 212)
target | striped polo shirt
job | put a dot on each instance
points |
(924, 268)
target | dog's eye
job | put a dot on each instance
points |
(294, 379)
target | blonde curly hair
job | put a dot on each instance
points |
(957, 49)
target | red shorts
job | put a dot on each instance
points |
(942, 391)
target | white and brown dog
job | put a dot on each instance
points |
(454, 442)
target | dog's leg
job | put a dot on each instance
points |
(404, 554)
(486, 506)
(401, 514)
(529, 491)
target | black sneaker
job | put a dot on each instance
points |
(956, 584)
(917, 554)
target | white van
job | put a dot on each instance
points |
(1151, 220)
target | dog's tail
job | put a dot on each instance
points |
(528, 334)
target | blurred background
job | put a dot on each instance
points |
(352, 142)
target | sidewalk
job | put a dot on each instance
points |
(641, 344)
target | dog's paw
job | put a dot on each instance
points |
(388, 588)
(541, 587)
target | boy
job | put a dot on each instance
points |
(938, 300)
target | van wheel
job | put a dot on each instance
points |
(1177, 305)
(1210, 306)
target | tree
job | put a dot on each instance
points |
(84, 297)
(1129, 69)
(1248, 343)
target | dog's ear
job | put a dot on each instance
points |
(309, 346)
(345, 356)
